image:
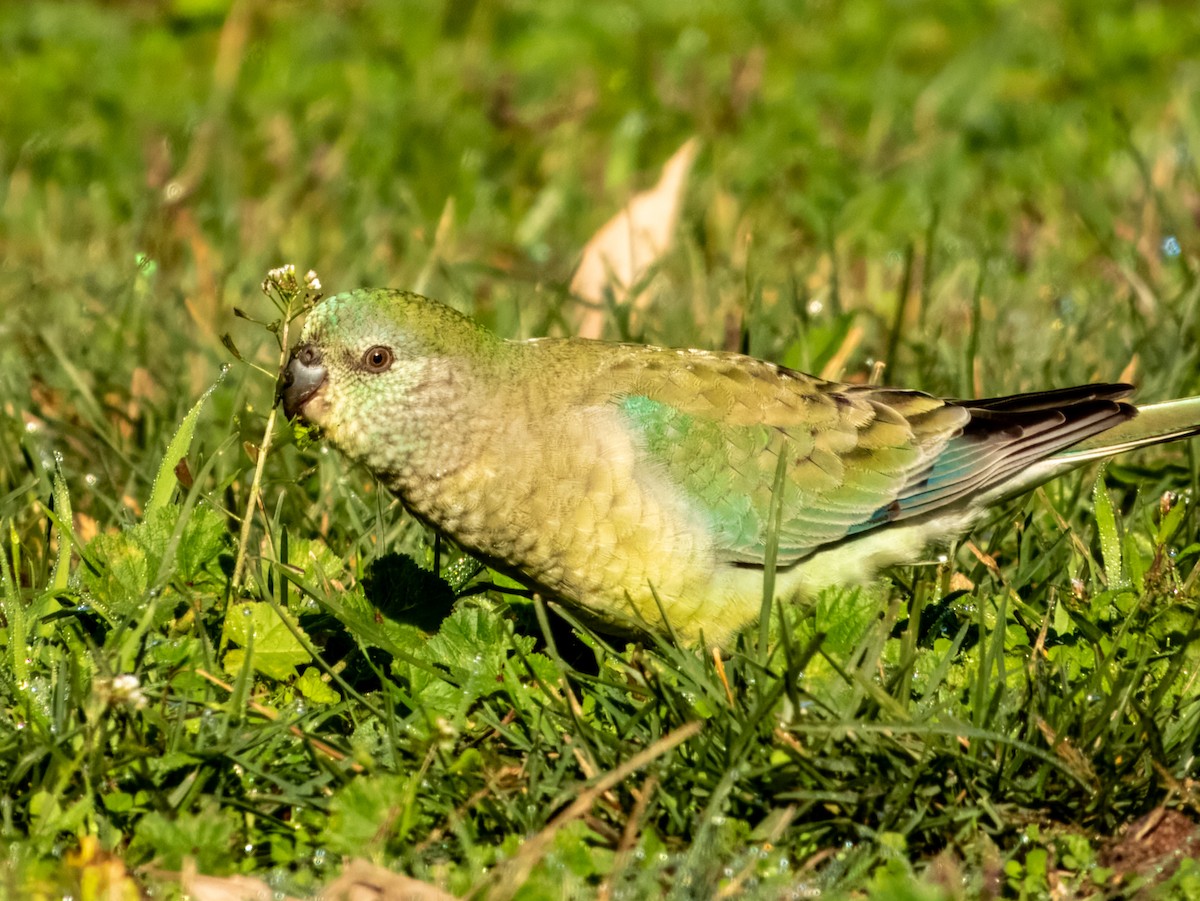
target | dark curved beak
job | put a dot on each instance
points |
(302, 379)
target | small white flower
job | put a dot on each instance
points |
(281, 279)
(127, 690)
(311, 280)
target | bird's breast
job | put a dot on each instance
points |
(573, 504)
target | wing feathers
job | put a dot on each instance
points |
(858, 457)
(990, 462)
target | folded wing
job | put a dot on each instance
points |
(855, 458)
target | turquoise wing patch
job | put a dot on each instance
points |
(833, 486)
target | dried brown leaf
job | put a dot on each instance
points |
(199, 887)
(625, 248)
(363, 881)
(1153, 845)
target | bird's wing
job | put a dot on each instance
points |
(855, 457)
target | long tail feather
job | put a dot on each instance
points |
(1154, 424)
(1123, 428)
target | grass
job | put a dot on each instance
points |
(988, 197)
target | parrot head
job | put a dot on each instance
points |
(372, 366)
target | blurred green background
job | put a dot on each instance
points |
(988, 196)
(1053, 141)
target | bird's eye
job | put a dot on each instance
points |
(377, 359)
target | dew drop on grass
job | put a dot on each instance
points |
(225, 367)
(1170, 247)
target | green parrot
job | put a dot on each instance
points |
(634, 482)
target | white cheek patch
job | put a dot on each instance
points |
(317, 409)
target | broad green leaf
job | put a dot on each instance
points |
(127, 564)
(204, 541)
(205, 836)
(314, 688)
(365, 813)
(50, 816)
(256, 626)
(370, 628)
(844, 615)
(474, 644)
(121, 579)
(404, 591)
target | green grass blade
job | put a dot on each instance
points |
(66, 538)
(1110, 538)
(177, 449)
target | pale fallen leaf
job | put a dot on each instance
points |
(621, 253)
(198, 887)
(86, 527)
(1129, 373)
(363, 881)
(143, 390)
(959, 582)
